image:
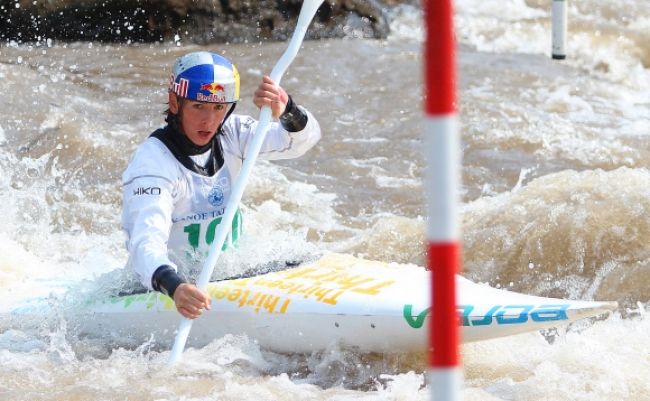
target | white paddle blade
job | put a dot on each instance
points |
(307, 12)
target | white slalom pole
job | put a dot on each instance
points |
(559, 29)
(307, 12)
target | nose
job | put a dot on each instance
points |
(208, 118)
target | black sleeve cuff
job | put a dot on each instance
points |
(166, 280)
(293, 119)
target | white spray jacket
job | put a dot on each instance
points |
(171, 213)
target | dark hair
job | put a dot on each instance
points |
(169, 113)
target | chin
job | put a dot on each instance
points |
(201, 140)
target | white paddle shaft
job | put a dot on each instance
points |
(307, 12)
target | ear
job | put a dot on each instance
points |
(173, 103)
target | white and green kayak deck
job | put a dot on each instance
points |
(374, 306)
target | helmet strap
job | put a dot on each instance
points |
(228, 113)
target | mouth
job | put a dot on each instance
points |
(204, 134)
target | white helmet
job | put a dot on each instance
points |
(205, 77)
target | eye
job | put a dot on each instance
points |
(219, 106)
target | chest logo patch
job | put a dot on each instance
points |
(215, 196)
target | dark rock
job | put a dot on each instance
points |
(200, 21)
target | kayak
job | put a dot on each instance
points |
(369, 305)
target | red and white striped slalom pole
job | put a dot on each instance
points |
(442, 152)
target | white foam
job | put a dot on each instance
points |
(603, 361)
(594, 40)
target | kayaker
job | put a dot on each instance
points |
(178, 181)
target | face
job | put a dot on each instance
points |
(199, 121)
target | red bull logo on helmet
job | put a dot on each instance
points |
(217, 93)
(213, 88)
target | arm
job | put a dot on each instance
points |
(146, 217)
(189, 300)
(296, 133)
(279, 143)
(147, 206)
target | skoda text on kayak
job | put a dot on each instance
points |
(498, 314)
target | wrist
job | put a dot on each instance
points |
(293, 119)
(166, 280)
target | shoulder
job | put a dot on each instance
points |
(237, 123)
(235, 133)
(151, 158)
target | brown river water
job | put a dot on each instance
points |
(555, 201)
